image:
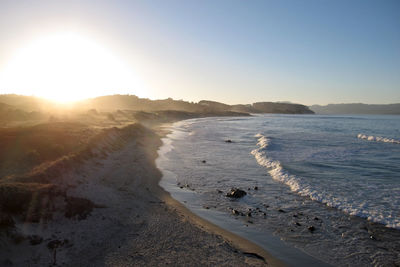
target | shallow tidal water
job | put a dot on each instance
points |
(320, 189)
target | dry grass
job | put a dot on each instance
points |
(31, 195)
(23, 148)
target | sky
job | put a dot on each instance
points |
(309, 52)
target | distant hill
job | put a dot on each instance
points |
(131, 102)
(27, 103)
(285, 108)
(356, 108)
(273, 107)
(10, 113)
(112, 103)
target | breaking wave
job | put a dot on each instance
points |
(302, 187)
(378, 139)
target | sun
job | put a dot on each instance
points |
(67, 67)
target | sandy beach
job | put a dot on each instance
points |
(132, 222)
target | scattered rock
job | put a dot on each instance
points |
(228, 141)
(311, 229)
(204, 161)
(248, 214)
(281, 210)
(219, 191)
(316, 219)
(235, 212)
(298, 224)
(236, 193)
(256, 188)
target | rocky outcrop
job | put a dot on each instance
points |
(283, 108)
(236, 193)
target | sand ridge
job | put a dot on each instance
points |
(134, 223)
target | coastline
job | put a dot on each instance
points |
(371, 240)
(133, 220)
(242, 244)
(264, 244)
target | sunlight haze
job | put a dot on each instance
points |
(67, 67)
(309, 52)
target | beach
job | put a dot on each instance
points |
(199, 133)
(132, 222)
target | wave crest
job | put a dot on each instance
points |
(274, 167)
(301, 187)
(377, 139)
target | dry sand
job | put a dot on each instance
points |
(136, 222)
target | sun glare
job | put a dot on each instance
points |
(67, 67)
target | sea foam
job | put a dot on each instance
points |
(377, 139)
(302, 187)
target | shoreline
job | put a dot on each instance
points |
(133, 220)
(243, 244)
(328, 221)
(248, 239)
(112, 209)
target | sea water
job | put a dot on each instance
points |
(326, 185)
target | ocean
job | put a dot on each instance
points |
(319, 189)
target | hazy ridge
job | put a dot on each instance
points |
(357, 108)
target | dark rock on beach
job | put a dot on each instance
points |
(236, 193)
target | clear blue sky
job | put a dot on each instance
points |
(310, 52)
